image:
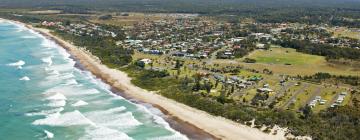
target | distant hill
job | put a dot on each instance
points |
(179, 5)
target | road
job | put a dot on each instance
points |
(280, 92)
(293, 97)
(317, 92)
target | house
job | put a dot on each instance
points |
(178, 54)
(317, 98)
(241, 85)
(255, 78)
(219, 78)
(312, 104)
(322, 102)
(334, 105)
(341, 98)
(237, 39)
(146, 61)
(235, 78)
(45, 23)
(266, 86)
(265, 90)
(260, 46)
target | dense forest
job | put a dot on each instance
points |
(326, 50)
(321, 77)
(102, 47)
(334, 12)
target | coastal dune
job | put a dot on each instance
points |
(219, 127)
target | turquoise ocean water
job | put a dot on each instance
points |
(43, 96)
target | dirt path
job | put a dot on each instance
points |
(293, 97)
(317, 92)
(280, 93)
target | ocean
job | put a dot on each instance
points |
(44, 96)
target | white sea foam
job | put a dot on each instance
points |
(176, 136)
(45, 112)
(28, 37)
(115, 117)
(60, 77)
(70, 82)
(104, 133)
(20, 29)
(17, 64)
(57, 103)
(80, 103)
(57, 96)
(25, 78)
(66, 119)
(155, 114)
(64, 53)
(95, 80)
(90, 91)
(47, 60)
(54, 72)
(67, 67)
(49, 135)
(71, 91)
(48, 43)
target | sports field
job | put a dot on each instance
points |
(288, 61)
(277, 55)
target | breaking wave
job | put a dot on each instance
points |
(66, 119)
(25, 78)
(17, 64)
(80, 103)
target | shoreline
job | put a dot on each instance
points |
(190, 131)
(218, 127)
(183, 127)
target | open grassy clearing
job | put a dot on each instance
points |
(46, 12)
(344, 32)
(301, 64)
(129, 20)
(279, 55)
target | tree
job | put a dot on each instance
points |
(67, 23)
(178, 72)
(140, 64)
(207, 87)
(151, 65)
(216, 83)
(177, 64)
(267, 46)
(249, 60)
(307, 111)
(232, 88)
(197, 85)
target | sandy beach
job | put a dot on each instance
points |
(219, 127)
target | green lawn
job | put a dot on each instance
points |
(277, 55)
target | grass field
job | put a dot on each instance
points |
(279, 55)
(128, 20)
(297, 63)
(344, 32)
